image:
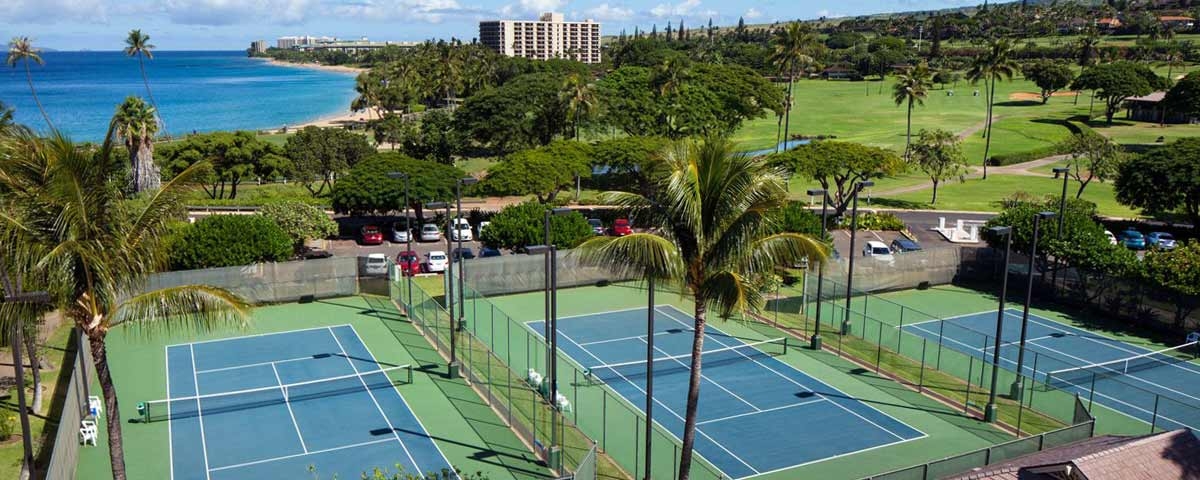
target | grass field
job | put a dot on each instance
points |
(985, 195)
(57, 353)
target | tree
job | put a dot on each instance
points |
(20, 50)
(577, 95)
(439, 137)
(1177, 272)
(939, 155)
(714, 227)
(542, 172)
(1089, 47)
(1092, 157)
(229, 159)
(1163, 180)
(228, 241)
(796, 217)
(911, 87)
(632, 158)
(518, 226)
(525, 112)
(66, 212)
(995, 63)
(135, 123)
(300, 221)
(837, 166)
(1048, 75)
(320, 154)
(795, 46)
(6, 118)
(137, 44)
(391, 129)
(1184, 97)
(367, 189)
(1114, 82)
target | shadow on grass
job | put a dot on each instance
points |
(1019, 103)
(901, 204)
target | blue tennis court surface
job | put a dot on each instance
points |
(230, 418)
(1059, 346)
(757, 414)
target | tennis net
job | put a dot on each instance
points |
(682, 363)
(1084, 375)
(214, 403)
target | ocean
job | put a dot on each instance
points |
(196, 91)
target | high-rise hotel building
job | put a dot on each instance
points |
(547, 37)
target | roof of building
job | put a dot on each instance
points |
(1115, 22)
(1168, 455)
(1176, 18)
(1151, 98)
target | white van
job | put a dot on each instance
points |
(878, 250)
(377, 264)
(462, 231)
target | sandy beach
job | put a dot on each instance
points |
(315, 66)
(332, 120)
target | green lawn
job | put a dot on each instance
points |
(985, 195)
(253, 194)
(55, 352)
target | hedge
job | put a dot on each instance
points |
(229, 240)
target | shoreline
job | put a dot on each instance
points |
(340, 119)
(314, 66)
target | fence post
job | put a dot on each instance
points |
(941, 332)
(1092, 392)
(604, 420)
(1153, 416)
(878, 346)
(970, 373)
(900, 330)
(921, 378)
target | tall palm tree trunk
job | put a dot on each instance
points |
(788, 105)
(908, 132)
(146, 81)
(693, 397)
(112, 423)
(33, 92)
(146, 175)
(987, 143)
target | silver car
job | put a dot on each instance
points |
(430, 233)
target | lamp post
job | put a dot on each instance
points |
(815, 340)
(853, 232)
(551, 301)
(408, 238)
(1062, 210)
(449, 296)
(462, 310)
(15, 295)
(989, 413)
(1017, 388)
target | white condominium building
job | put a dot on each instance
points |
(547, 37)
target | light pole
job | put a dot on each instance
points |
(989, 413)
(853, 232)
(1017, 387)
(462, 310)
(649, 373)
(1062, 210)
(15, 295)
(449, 296)
(407, 238)
(815, 340)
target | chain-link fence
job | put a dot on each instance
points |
(64, 457)
(507, 274)
(273, 282)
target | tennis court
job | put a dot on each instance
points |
(274, 405)
(757, 414)
(1124, 377)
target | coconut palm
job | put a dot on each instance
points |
(1088, 45)
(135, 124)
(994, 64)
(713, 232)
(668, 80)
(912, 87)
(6, 117)
(21, 50)
(579, 99)
(137, 44)
(369, 86)
(795, 46)
(66, 214)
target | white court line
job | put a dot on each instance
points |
(709, 380)
(170, 436)
(1090, 336)
(373, 400)
(268, 334)
(288, 402)
(405, 402)
(259, 364)
(990, 346)
(722, 419)
(622, 339)
(965, 315)
(285, 457)
(199, 413)
(843, 407)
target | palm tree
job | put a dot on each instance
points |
(370, 88)
(1088, 44)
(6, 117)
(21, 49)
(67, 215)
(138, 44)
(996, 63)
(912, 86)
(579, 99)
(714, 231)
(795, 46)
(668, 79)
(135, 123)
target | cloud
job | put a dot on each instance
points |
(53, 11)
(608, 12)
(752, 14)
(542, 6)
(230, 12)
(828, 14)
(684, 8)
(432, 11)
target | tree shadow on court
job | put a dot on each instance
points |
(383, 314)
(500, 447)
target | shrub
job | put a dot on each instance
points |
(875, 221)
(797, 218)
(229, 240)
(7, 426)
(1026, 156)
(300, 221)
(519, 226)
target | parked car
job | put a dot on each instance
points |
(901, 245)
(1133, 239)
(1112, 239)
(485, 252)
(370, 235)
(463, 253)
(597, 226)
(430, 233)
(409, 262)
(621, 228)
(878, 250)
(436, 261)
(1161, 240)
(377, 264)
(480, 228)
(462, 231)
(401, 233)
(310, 253)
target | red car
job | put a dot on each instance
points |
(409, 262)
(621, 227)
(371, 235)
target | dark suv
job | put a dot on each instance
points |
(902, 244)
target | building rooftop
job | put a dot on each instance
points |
(1168, 455)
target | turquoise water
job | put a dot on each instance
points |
(196, 91)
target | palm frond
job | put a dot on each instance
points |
(643, 255)
(730, 292)
(191, 308)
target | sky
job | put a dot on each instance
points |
(233, 24)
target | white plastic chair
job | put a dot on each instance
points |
(535, 378)
(564, 405)
(88, 433)
(95, 407)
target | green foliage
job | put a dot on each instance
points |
(1163, 179)
(300, 221)
(229, 240)
(1116, 81)
(881, 221)
(632, 158)
(320, 153)
(391, 130)
(519, 226)
(1083, 235)
(939, 155)
(367, 188)
(1048, 75)
(1178, 273)
(838, 166)
(524, 112)
(1093, 157)
(542, 172)
(1002, 159)
(8, 426)
(796, 217)
(1184, 97)
(232, 157)
(842, 40)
